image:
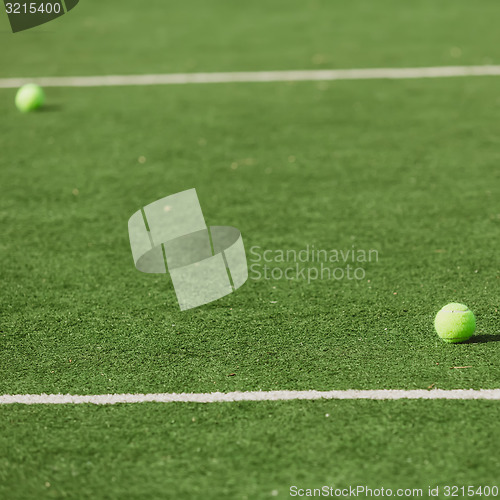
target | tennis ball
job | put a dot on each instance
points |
(455, 323)
(29, 97)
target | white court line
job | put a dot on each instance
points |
(220, 397)
(255, 76)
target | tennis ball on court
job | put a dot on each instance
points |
(29, 97)
(455, 323)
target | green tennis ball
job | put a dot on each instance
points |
(29, 97)
(455, 323)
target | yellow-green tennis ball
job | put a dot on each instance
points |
(29, 97)
(455, 323)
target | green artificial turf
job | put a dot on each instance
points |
(408, 168)
(157, 36)
(245, 450)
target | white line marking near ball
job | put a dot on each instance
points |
(220, 397)
(255, 76)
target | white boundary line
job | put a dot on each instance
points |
(220, 397)
(255, 76)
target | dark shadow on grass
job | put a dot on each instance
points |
(49, 108)
(482, 339)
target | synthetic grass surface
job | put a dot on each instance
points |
(406, 168)
(245, 450)
(163, 36)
